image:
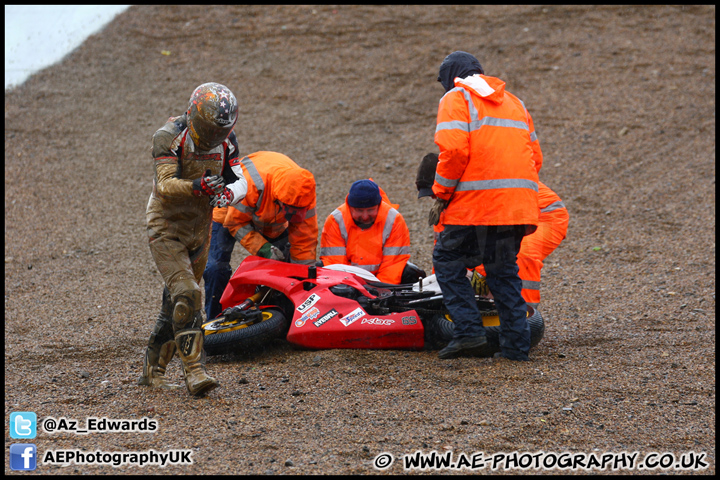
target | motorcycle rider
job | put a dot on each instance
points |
(369, 232)
(195, 160)
(552, 228)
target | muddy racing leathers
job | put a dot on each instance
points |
(179, 215)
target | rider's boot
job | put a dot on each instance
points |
(190, 350)
(189, 339)
(160, 349)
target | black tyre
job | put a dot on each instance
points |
(239, 335)
(439, 330)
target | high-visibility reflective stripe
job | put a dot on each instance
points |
(390, 251)
(310, 213)
(553, 206)
(244, 208)
(256, 178)
(387, 228)
(260, 224)
(303, 262)
(254, 174)
(453, 125)
(474, 115)
(494, 184)
(497, 122)
(445, 182)
(243, 231)
(478, 124)
(369, 268)
(329, 251)
(534, 291)
(533, 135)
(337, 215)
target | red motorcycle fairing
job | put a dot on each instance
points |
(320, 318)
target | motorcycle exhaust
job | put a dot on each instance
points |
(423, 300)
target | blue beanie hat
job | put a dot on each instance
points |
(364, 194)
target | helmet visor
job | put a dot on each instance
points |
(207, 135)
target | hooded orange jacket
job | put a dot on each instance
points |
(383, 249)
(489, 155)
(274, 179)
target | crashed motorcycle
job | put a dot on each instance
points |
(338, 306)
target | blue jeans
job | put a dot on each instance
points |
(217, 271)
(460, 247)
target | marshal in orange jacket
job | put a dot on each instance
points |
(273, 180)
(489, 155)
(534, 249)
(383, 249)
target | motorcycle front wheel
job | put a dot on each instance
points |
(240, 335)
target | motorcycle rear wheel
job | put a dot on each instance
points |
(440, 328)
(224, 336)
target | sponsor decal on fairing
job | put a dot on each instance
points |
(311, 300)
(327, 316)
(352, 316)
(377, 321)
(309, 315)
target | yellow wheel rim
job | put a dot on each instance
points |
(220, 325)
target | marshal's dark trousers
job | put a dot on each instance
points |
(462, 247)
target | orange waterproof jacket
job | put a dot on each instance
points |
(219, 214)
(273, 180)
(383, 249)
(534, 249)
(489, 155)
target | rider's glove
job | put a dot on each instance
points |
(271, 251)
(435, 211)
(224, 199)
(208, 184)
(479, 284)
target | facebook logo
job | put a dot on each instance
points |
(23, 456)
(23, 425)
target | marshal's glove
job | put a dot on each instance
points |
(271, 251)
(479, 284)
(224, 199)
(435, 211)
(208, 184)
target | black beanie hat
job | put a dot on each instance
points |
(458, 64)
(426, 175)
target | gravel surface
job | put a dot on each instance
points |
(623, 100)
